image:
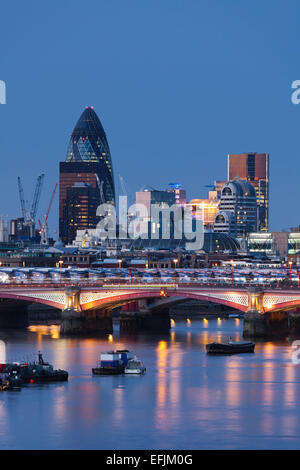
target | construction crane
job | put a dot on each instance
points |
(21, 192)
(29, 215)
(44, 226)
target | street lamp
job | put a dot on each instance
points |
(290, 263)
(120, 263)
(175, 262)
(60, 266)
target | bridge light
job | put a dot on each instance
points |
(188, 322)
(269, 306)
(163, 293)
(172, 323)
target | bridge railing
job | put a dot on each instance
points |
(118, 283)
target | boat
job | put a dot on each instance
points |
(38, 372)
(11, 381)
(231, 347)
(112, 362)
(135, 366)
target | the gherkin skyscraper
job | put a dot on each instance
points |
(86, 177)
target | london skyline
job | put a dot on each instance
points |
(186, 99)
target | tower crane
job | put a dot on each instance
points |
(44, 226)
(29, 215)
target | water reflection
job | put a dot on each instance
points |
(244, 401)
(48, 330)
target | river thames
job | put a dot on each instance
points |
(186, 400)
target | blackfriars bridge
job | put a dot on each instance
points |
(87, 309)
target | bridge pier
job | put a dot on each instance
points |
(294, 322)
(254, 321)
(90, 322)
(267, 325)
(260, 324)
(145, 319)
(75, 322)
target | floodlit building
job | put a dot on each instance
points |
(206, 208)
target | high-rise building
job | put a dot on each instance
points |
(179, 192)
(88, 161)
(162, 199)
(80, 208)
(253, 167)
(237, 209)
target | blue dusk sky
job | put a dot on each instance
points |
(177, 85)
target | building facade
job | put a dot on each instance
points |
(80, 209)
(162, 199)
(206, 208)
(237, 213)
(88, 161)
(253, 167)
(179, 193)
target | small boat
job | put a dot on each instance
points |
(11, 381)
(231, 347)
(112, 362)
(37, 372)
(135, 366)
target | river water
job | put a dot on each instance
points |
(186, 400)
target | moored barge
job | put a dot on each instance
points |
(231, 347)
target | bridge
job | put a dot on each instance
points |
(87, 308)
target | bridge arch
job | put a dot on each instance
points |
(32, 298)
(234, 300)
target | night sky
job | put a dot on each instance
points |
(176, 84)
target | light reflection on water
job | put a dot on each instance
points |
(186, 399)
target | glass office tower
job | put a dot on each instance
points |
(253, 167)
(88, 161)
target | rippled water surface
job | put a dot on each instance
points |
(186, 400)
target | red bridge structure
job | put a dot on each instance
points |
(87, 309)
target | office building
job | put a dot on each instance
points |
(88, 161)
(237, 213)
(179, 192)
(80, 209)
(253, 167)
(163, 200)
